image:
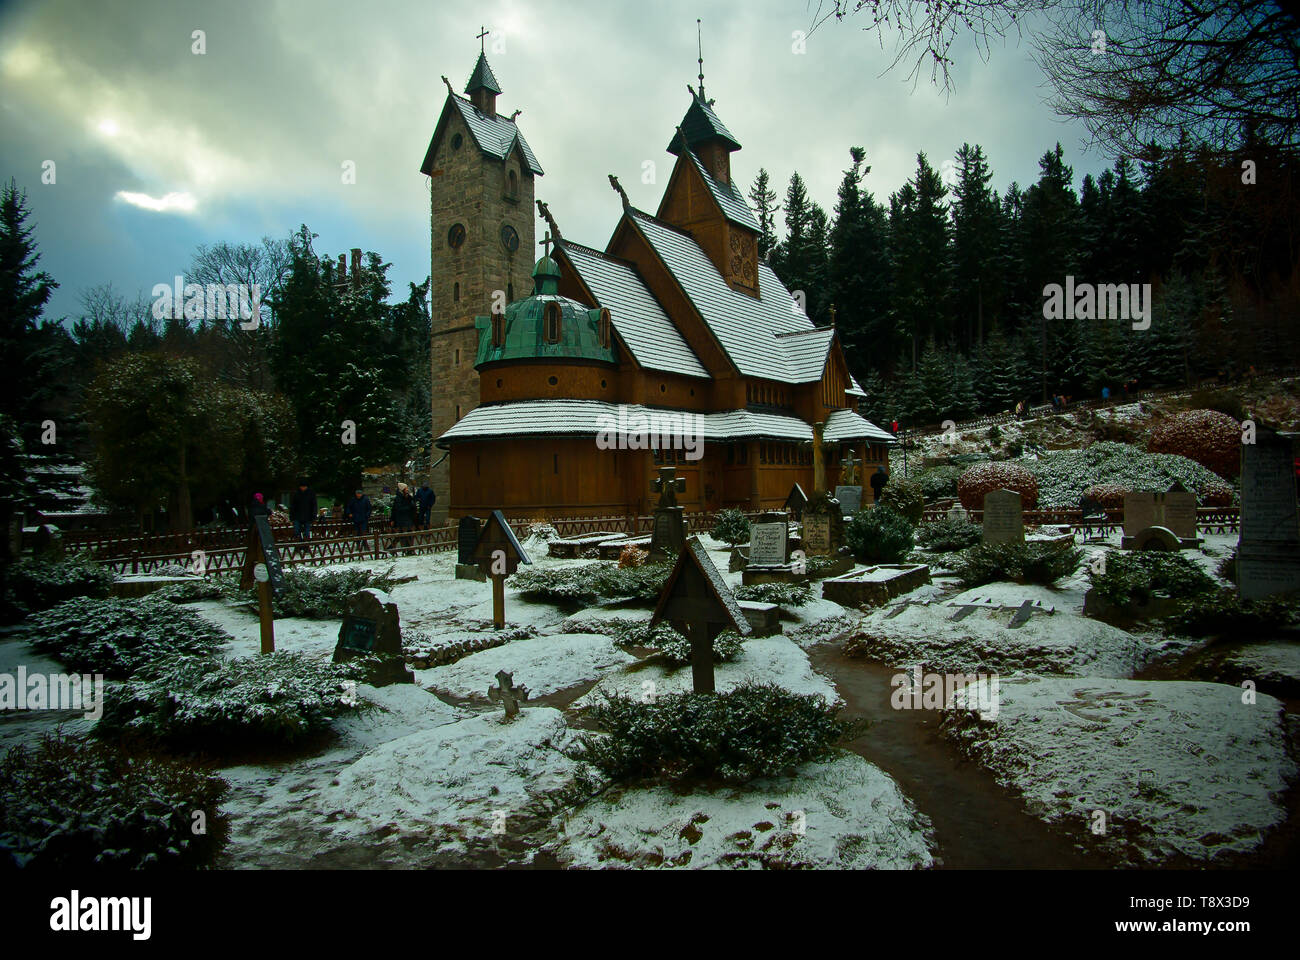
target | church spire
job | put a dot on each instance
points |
(483, 88)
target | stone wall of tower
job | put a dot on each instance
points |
(472, 189)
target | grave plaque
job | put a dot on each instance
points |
(1179, 514)
(373, 628)
(467, 531)
(1004, 521)
(668, 535)
(498, 554)
(1268, 550)
(767, 543)
(850, 499)
(817, 534)
(1174, 511)
(1139, 512)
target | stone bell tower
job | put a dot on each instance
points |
(481, 174)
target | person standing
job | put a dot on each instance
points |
(302, 510)
(258, 508)
(425, 499)
(878, 481)
(358, 511)
(403, 511)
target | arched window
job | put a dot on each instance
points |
(551, 323)
(513, 184)
(498, 329)
(455, 292)
(604, 328)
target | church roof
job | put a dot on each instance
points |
(733, 204)
(748, 328)
(495, 136)
(482, 78)
(591, 417)
(525, 335)
(637, 316)
(806, 352)
(701, 124)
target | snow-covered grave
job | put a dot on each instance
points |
(546, 664)
(1151, 771)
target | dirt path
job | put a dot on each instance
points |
(977, 823)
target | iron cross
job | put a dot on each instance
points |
(507, 693)
(850, 465)
(481, 36)
(546, 243)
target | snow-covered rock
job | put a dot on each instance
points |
(842, 813)
(1177, 769)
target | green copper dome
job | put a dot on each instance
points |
(546, 326)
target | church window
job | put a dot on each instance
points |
(455, 292)
(744, 454)
(552, 381)
(604, 328)
(602, 384)
(551, 323)
(499, 382)
(663, 388)
(731, 454)
(458, 356)
(456, 141)
(456, 236)
(458, 411)
(514, 184)
(498, 330)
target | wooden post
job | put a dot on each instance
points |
(498, 600)
(265, 616)
(701, 657)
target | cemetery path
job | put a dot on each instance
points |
(977, 823)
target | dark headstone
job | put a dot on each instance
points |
(823, 526)
(49, 542)
(850, 498)
(1268, 550)
(1004, 520)
(372, 628)
(467, 533)
(796, 501)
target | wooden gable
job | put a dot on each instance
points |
(690, 205)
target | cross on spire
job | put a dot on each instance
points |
(546, 243)
(481, 35)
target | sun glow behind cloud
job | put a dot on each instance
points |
(168, 203)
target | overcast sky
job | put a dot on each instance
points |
(158, 149)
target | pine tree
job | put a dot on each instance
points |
(977, 241)
(24, 291)
(763, 197)
(920, 257)
(858, 274)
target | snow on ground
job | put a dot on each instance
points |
(1180, 769)
(1275, 665)
(543, 664)
(842, 813)
(774, 659)
(293, 634)
(445, 787)
(28, 726)
(274, 822)
(982, 642)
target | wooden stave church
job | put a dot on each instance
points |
(677, 314)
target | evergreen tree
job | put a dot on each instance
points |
(976, 243)
(24, 291)
(920, 257)
(763, 197)
(858, 271)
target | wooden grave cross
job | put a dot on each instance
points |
(498, 555)
(850, 465)
(668, 485)
(697, 601)
(262, 566)
(507, 694)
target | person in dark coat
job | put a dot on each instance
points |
(403, 512)
(878, 481)
(302, 510)
(258, 507)
(358, 511)
(425, 499)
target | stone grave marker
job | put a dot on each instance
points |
(767, 541)
(668, 534)
(958, 512)
(1268, 548)
(850, 498)
(1139, 512)
(1174, 511)
(700, 605)
(507, 694)
(1004, 521)
(373, 628)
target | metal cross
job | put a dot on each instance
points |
(481, 36)
(507, 694)
(546, 243)
(850, 465)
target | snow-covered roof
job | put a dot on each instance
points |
(637, 316)
(805, 352)
(591, 417)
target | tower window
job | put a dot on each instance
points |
(514, 184)
(456, 236)
(458, 411)
(455, 292)
(604, 328)
(510, 293)
(551, 323)
(458, 356)
(498, 330)
(456, 141)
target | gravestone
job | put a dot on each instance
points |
(1155, 538)
(823, 526)
(1139, 512)
(767, 541)
(49, 542)
(1004, 521)
(668, 534)
(1174, 511)
(958, 512)
(467, 534)
(796, 501)
(700, 605)
(372, 628)
(850, 498)
(507, 694)
(1268, 549)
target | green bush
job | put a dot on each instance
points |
(269, 700)
(950, 533)
(1134, 576)
(753, 731)
(879, 535)
(727, 645)
(782, 594)
(121, 637)
(1224, 613)
(731, 526)
(939, 483)
(324, 594)
(1064, 475)
(40, 584)
(69, 805)
(592, 583)
(1043, 563)
(903, 496)
(192, 591)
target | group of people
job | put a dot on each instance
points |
(408, 510)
